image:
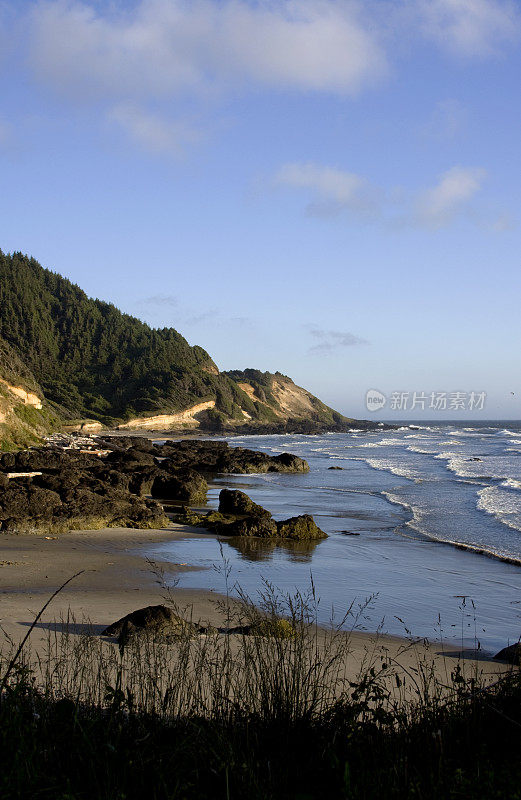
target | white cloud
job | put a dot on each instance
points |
(165, 46)
(469, 27)
(332, 340)
(152, 132)
(332, 190)
(438, 206)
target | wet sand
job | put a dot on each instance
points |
(117, 579)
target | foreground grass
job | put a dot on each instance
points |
(271, 716)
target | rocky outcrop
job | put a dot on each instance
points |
(214, 457)
(301, 527)
(239, 516)
(237, 503)
(62, 488)
(58, 503)
(186, 485)
(159, 623)
(512, 654)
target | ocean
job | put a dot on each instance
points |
(424, 527)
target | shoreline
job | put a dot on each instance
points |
(117, 579)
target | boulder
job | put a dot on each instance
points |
(510, 654)
(237, 503)
(130, 459)
(159, 623)
(186, 485)
(249, 526)
(301, 527)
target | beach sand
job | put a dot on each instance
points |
(117, 579)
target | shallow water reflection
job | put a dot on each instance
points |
(252, 549)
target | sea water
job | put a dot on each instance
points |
(424, 522)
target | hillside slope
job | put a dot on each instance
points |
(23, 418)
(87, 360)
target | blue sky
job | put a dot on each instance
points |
(329, 189)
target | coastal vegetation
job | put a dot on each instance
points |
(269, 712)
(90, 361)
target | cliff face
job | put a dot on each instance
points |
(23, 419)
(65, 354)
(290, 406)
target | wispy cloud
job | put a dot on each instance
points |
(159, 301)
(328, 340)
(439, 205)
(331, 190)
(470, 28)
(152, 132)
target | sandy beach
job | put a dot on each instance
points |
(117, 579)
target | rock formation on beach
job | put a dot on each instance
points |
(107, 482)
(239, 516)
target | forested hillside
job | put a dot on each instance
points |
(92, 360)
(88, 360)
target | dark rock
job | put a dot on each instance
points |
(130, 459)
(233, 501)
(335, 468)
(159, 623)
(302, 527)
(7, 461)
(4, 481)
(126, 442)
(186, 485)
(510, 654)
(27, 507)
(250, 526)
(140, 481)
(212, 457)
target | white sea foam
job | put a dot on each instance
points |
(399, 469)
(414, 449)
(504, 506)
(491, 466)
(510, 483)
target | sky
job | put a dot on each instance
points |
(325, 188)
